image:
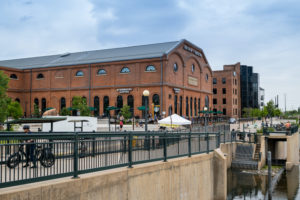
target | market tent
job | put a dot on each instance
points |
(174, 120)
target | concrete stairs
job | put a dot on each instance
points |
(243, 158)
(257, 151)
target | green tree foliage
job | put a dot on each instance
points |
(14, 109)
(125, 111)
(80, 104)
(255, 112)
(270, 108)
(247, 112)
(3, 97)
(36, 111)
(277, 112)
(64, 112)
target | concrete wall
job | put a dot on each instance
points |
(292, 151)
(199, 177)
(228, 150)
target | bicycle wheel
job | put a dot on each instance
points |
(13, 160)
(47, 159)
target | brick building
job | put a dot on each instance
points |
(177, 74)
(226, 90)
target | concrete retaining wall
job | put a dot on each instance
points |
(292, 151)
(199, 177)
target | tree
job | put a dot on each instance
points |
(264, 112)
(64, 112)
(3, 97)
(247, 112)
(125, 111)
(270, 108)
(80, 104)
(256, 112)
(14, 109)
(277, 112)
(36, 110)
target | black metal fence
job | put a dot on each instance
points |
(56, 155)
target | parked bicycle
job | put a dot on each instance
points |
(44, 155)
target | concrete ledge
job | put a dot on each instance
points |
(180, 178)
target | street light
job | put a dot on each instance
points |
(146, 94)
(205, 120)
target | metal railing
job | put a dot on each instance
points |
(280, 130)
(245, 137)
(70, 154)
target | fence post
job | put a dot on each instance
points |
(75, 175)
(129, 150)
(165, 146)
(94, 147)
(207, 142)
(190, 148)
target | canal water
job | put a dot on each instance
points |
(243, 185)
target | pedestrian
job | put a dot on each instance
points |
(30, 148)
(121, 122)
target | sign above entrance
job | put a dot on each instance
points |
(187, 48)
(192, 81)
(176, 90)
(124, 90)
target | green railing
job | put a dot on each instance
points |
(287, 131)
(71, 154)
(245, 137)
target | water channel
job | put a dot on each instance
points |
(244, 185)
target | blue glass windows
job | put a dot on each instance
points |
(101, 72)
(125, 70)
(79, 73)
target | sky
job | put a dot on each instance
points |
(263, 34)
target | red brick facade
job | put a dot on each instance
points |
(62, 82)
(226, 90)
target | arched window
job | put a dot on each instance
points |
(96, 106)
(207, 102)
(150, 68)
(119, 103)
(105, 105)
(40, 76)
(195, 107)
(191, 105)
(170, 110)
(180, 105)
(187, 106)
(18, 100)
(79, 73)
(206, 77)
(62, 103)
(125, 70)
(175, 104)
(44, 104)
(36, 101)
(101, 72)
(155, 101)
(175, 67)
(13, 76)
(130, 103)
(193, 67)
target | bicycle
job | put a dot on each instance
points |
(44, 155)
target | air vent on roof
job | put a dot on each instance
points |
(65, 54)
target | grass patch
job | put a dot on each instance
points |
(273, 167)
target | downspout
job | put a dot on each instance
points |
(161, 85)
(30, 91)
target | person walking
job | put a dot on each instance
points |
(121, 122)
(30, 148)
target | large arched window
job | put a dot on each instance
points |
(150, 68)
(180, 105)
(40, 76)
(105, 105)
(187, 106)
(62, 103)
(191, 106)
(207, 102)
(195, 107)
(13, 76)
(130, 103)
(36, 101)
(18, 100)
(96, 106)
(79, 73)
(119, 103)
(155, 101)
(101, 72)
(125, 70)
(170, 110)
(175, 67)
(175, 104)
(44, 104)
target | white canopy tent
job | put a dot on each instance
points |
(174, 121)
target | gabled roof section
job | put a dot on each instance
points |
(97, 56)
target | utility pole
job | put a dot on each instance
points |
(285, 103)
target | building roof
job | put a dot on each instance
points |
(96, 56)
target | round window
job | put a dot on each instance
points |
(175, 67)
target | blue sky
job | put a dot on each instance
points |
(263, 34)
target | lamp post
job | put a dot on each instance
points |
(205, 120)
(146, 94)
